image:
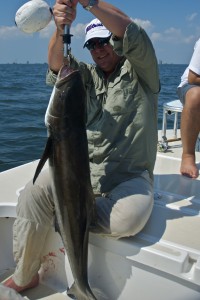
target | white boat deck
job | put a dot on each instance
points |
(166, 253)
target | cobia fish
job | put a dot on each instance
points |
(67, 151)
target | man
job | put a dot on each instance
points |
(189, 95)
(122, 90)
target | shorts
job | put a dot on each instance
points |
(182, 90)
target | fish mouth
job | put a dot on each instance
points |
(66, 71)
(65, 74)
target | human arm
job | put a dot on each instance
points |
(64, 12)
(194, 65)
(193, 78)
(112, 17)
(133, 43)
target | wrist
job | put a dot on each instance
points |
(89, 4)
(84, 2)
(59, 32)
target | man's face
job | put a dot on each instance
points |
(103, 54)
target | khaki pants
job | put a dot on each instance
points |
(122, 212)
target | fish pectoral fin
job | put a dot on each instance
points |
(45, 156)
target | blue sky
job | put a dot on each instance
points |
(173, 26)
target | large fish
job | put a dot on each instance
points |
(67, 151)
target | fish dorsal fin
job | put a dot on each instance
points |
(44, 158)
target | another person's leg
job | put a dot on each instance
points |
(190, 128)
(126, 209)
(35, 215)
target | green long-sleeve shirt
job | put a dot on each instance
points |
(121, 111)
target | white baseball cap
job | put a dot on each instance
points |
(95, 29)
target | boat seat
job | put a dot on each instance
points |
(173, 107)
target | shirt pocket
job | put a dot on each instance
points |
(121, 95)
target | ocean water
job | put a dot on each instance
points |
(24, 97)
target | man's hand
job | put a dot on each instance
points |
(64, 12)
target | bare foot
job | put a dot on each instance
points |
(188, 166)
(11, 284)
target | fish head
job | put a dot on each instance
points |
(68, 101)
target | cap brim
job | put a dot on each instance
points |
(97, 35)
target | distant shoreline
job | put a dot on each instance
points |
(45, 63)
(27, 63)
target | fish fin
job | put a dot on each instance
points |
(44, 158)
(72, 291)
(85, 293)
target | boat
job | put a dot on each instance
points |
(161, 262)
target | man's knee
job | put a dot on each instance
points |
(36, 202)
(192, 99)
(131, 218)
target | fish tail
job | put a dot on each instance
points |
(75, 293)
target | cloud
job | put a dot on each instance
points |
(146, 24)
(11, 32)
(156, 36)
(77, 30)
(172, 36)
(189, 39)
(191, 17)
(47, 32)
